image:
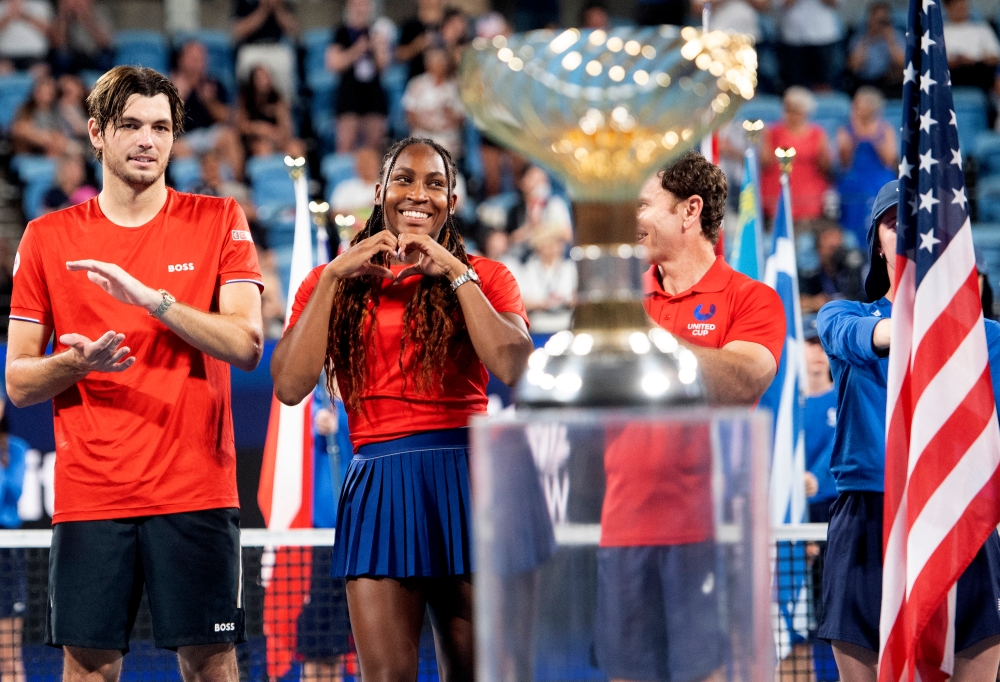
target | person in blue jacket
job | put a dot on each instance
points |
(857, 338)
(13, 571)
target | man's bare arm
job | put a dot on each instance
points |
(736, 374)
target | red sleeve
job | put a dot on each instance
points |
(30, 301)
(499, 286)
(305, 290)
(239, 257)
(759, 318)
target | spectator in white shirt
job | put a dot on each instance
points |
(811, 35)
(973, 49)
(740, 16)
(432, 103)
(548, 281)
(25, 26)
(356, 196)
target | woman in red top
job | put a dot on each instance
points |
(407, 325)
(810, 174)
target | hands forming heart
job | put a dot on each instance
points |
(423, 255)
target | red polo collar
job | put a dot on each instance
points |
(716, 279)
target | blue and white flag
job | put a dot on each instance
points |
(747, 253)
(785, 396)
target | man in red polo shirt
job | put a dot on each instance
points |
(657, 613)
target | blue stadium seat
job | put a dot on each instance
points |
(833, 105)
(323, 91)
(31, 199)
(335, 168)
(142, 48)
(986, 237)
(185, 174)
(970, 113)
(988, 199)
(893, 113)
(987, 153)
(14, 90)
(270, 183)
(32, 168)
(474, 168)
(767, 108)
(315, 42)
(394, 83)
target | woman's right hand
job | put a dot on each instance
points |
(356, 261)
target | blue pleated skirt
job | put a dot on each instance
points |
(405, 509)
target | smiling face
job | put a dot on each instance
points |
(416, 194)
(660, 221)
(136, 152)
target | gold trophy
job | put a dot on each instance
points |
(603, 111)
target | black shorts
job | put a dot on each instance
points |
(190, 564)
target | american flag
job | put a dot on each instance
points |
(942, 440)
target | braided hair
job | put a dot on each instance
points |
(432, 321)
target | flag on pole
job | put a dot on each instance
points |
(285, 490)
(746, 256)
(942, 437)
(710, 150)
(785, 395)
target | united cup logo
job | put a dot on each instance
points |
(550, 450)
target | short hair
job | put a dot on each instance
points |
(694, 175)
(801, 97)
(873, 95)
(106, 102)
(879, 5)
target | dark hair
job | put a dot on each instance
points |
(879, 5)
(106, 102)
(30, 106)
(694, 175)
(432, 321)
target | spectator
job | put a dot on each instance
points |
(876, 56)
(839, 274)
(536, 208)
(71, 185)
(432, 103)
(418, 32)
(811, 35)
(265, 117)
(495, 246)
(81, 37)
(38, 127)
(455, 33)
(207, 114)
(548, 281)
(740, 16)
(360, 60)
(24, 33)
(260, 27)
(810, 181)
(820, 419)
(867, 149)
(594, 16)
(356, 196)
(73, 109)
(973, 49)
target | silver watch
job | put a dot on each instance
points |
(467, 276)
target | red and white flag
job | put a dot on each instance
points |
(942, 436)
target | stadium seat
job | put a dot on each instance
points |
(474, 168)
(335, 168)
(987, 153)
(323, 91)
(986, 238)
(32, 168)
(767, 108)
(988, 199)
(394, 83)
(142, 48)
(185, 174)
(31, 199)
(833, 110)
(314, 43)
(893, 113)
(970, 113)
(15, 88)
(269, 181)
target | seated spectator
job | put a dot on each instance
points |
(362, 106)
(594, 16)
(207, 115)
(71, 185)
(38, 127)
(356, 196)
(432, 103)
(418, 32)
(495, 244)
(868, 154)
(876, 55)
(811, 34)
(740, 16)
(810, 180)
(24, 33)
(973, 49)
(260, 27)
(839, 274)
(536, 208)
(73, 109)
(264, 118)
(455, 34)
(547, 281)
(82, 36)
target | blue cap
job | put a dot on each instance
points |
(877, 281)
(809, 329)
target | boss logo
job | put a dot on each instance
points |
(180, 267)
(225, 627)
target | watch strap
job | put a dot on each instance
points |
(167, 301)
(467, 276)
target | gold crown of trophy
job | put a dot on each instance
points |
(603, 111)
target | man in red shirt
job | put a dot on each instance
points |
(657, 612)
(146, 462)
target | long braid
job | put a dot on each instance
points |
(432, 321)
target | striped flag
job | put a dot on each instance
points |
(746, 254)
(784, 397)
(942, 437)
(285, 490)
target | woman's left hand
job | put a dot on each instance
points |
(433, 260)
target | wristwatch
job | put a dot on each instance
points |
(467, 276)
(167, 301)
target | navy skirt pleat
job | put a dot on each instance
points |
(405, 509)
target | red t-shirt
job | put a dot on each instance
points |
(158, 437)
(391, 408)
(659, 476)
